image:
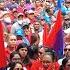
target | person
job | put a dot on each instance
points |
(12, 5)
(65, 64)
(18, 24)
(11, 46)
(66, 53)
(34, 39)
(33, 53)
(48, 61)
(14, 57)
(23, 51)
(16, 66)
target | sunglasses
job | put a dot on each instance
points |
(18, 68)
(66, 49)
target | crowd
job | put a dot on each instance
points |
(24, 23)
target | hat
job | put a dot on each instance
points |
(5, 12)
(67, 31)
(66, 17)
(20, 14)
(30, 11)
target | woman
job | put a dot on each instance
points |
(14, 57)
(47, 62)
(23, 51)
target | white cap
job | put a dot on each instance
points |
(67, 31)
(20, 14)
(30, 11)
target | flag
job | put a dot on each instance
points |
(45, 34)
(55, 37)
(55, 29)
(2, 49)
(59, 3)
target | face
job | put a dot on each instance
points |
(20, 17)
(38, 4)
(16, 58)
(37, 25)
(12, 40)
(67, 20)
(46, 61)
(23, 52)
(67, 50)
(41, 53)
(26, 31)
(42, 22)
(67, 5)
(68, 65)
(31, 15)
(18, 67)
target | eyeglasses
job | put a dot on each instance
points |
(66, 49)
(18, 68)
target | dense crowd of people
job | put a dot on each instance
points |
(24, 23)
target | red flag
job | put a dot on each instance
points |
(45, 34)
(52, 35)
(2, 49)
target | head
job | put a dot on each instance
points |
(20, 16)
(13, 1)
(35, 39)
(22, 3)
(66, 64)
(67, 50)
(26, 29)
(67, 4)
(14, 12)
(12, 40)
(2, 5)
(66, 19)
(41, 52)
(48, 58)
(6, 18)
(16, 66)
(33, 52)
(37, 3)
(15, 57)
(23, 50)
(42, 20)
(36, 25)
(30, 14)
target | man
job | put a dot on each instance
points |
(66, 53)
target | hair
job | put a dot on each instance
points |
(65, 60)
(34, 38)
(22, 45)
(12, 54)
(33, 52)
(13, 64)
(26, 59)
(26, 26)
(10, 34)
(51, 52)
